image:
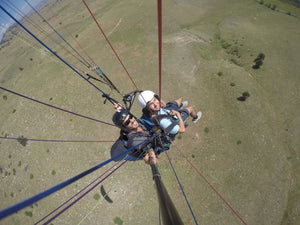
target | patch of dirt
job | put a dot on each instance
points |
(184, 38)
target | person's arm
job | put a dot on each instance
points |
(180, 123)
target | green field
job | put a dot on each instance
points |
(248, 150)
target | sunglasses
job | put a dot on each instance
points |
(126, 123)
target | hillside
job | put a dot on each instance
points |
(248, 150)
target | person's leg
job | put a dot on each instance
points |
(181, 104)
(175, 104)
(192, 112)
(178, 101)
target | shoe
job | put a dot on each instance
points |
(183, 104)
(199, 114)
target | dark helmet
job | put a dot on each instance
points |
(119, 117)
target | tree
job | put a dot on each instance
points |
(244, 96)
(22, 140)
(258, 61)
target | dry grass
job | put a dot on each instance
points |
(248, 150)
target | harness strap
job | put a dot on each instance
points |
(171, 126)
(156, 120)
(147, 123)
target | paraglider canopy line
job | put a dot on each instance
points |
(21, 205)
(64, 110)
(116, 54)
(159, 16)
(212, 187)
(169, 213)
(66, 63)
(85, 62)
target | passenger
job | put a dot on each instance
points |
(170, 117)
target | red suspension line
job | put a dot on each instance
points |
(77, 42)
(181, 196)
(159, 18)
(116, 54)
(212, 187)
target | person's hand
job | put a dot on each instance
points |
(150, 155)
(118, 107)
(175, 113)
(162, 104)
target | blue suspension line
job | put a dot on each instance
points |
(87, 63)
(15, 208)
(50, 140)
(104, 94)
(181, 189)
(55, 107)
(15, 9)
(108, 80)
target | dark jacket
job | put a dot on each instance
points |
(128, 140)
(135, 138)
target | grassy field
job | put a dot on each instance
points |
(248, 150)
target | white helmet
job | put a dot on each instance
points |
(145, 97)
